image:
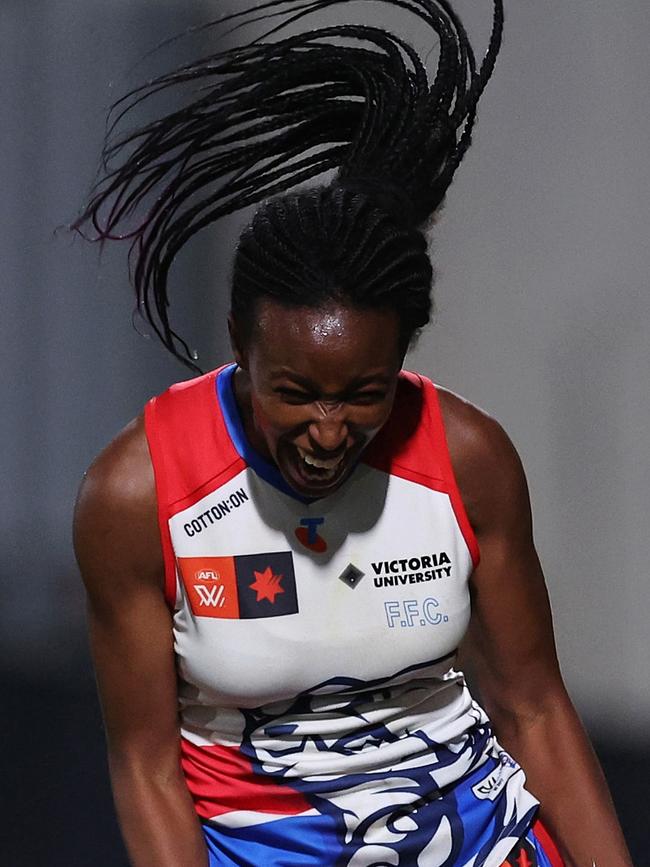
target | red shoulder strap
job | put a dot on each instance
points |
(191, 453)
(413, 445)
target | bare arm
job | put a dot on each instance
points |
(119, 554)
(511, 649)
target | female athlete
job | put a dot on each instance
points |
(284, 555)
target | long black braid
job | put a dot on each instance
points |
(275, 113)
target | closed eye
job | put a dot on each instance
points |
(367, 397)
(294, 395)
(360, 398)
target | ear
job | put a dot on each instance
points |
(236, 344)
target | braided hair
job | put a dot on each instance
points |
(274, 113)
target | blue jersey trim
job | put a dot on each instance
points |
(235, 427)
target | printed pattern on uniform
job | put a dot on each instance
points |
(322, 719)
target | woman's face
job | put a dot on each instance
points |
(315, 386)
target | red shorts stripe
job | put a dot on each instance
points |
(548, 845)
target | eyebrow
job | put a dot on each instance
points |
(305, 382)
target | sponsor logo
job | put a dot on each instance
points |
(307, 534)
(240, 588)
(351, 575)
(491, 786)
(413, 612)
(206, 575)
(412, 570)
(214, 597)
(267, 585)
(216, 513)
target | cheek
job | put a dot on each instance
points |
(270, 422)
(371, 433)
(263, 421)
(372, 419)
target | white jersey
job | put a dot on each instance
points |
(322, 719)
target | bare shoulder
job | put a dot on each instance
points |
(115, 520)
(123, 469)
(485, 462)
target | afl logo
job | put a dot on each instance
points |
(307, 534)
(206, 575)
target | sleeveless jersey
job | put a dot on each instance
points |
(322, 719)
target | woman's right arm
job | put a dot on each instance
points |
(118, 549)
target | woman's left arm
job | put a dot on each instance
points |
(511, 650)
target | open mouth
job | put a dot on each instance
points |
(312, 461)
(314, 472)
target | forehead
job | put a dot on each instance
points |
(335, 337)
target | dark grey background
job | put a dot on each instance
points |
(542, 260)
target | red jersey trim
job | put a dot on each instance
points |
(221, 779)
(458, 506)
(208, 487)
(158, 462)
(413, 445)
(190, 448)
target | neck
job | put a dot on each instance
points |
(243, 398)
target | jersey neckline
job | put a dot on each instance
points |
(235, 427)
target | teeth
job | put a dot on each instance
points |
(316, 462)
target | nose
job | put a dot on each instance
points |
(330, 431)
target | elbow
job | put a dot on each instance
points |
(514, 713)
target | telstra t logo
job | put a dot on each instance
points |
(308, 535)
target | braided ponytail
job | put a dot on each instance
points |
(280, 111)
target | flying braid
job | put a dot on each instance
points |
(277, 112)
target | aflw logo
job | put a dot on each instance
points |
(211, 596)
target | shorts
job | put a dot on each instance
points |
(536, 849)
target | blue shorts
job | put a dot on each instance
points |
(536, 849)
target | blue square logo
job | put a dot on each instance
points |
(266, 585)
